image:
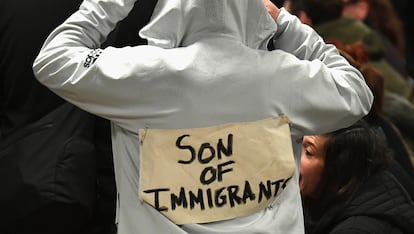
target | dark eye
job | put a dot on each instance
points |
(308, 153)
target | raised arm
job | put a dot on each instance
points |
(335, 91)
(65, 63)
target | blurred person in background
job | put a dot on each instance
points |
(346, 185)
(381, 16)
(401, 165)
(327, 18)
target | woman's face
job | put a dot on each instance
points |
(312, 164)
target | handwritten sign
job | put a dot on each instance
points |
(216, 173)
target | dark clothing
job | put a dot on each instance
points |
(49, 181)
(24, 26)
(380, 205)
(48, 174)
(395, 142)
(404, 9)
(127, 31)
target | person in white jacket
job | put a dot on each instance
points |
(204, 93)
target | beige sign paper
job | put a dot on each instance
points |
(216, 173)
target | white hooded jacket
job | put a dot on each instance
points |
(206, 64)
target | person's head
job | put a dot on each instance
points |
(320, 11)
(357, 9)
(293, 6)
(382, 16)
(296, 7)
(335, 164)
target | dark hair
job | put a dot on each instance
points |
(320, 11)
(296, 6)
(352, 155)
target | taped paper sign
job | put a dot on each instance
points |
(216, 173)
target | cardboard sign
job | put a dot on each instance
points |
(215, 173)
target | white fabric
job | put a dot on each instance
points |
(221, 73)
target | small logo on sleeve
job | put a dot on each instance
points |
(92, 57)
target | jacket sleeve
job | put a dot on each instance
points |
(328, 82)
(68, 61)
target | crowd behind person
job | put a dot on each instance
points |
(370, 34)
(356, 179)
(348, 23)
